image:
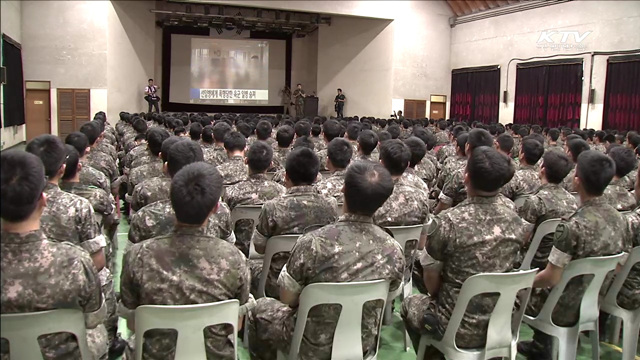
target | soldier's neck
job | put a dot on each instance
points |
(54, 181)
(23, 227)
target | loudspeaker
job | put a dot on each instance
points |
(504, 96)
(592, 96)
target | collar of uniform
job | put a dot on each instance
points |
(257, 177)
(339, 173)
(30, 237)
(597, 201)
(188, 230)
(482, 199)
(68, 186)
(236, 158)
(615, 182)
(550, 186)
(527, 167)
(302, 189)
(355, 218)
(409, 171)
(51, 187)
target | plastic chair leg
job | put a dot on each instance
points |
(595, 344)
(567, 349)
(630, 340)
(407, 341)
(614, 329)
(387, 318)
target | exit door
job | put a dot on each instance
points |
(38, 108)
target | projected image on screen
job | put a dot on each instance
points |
(225, 71)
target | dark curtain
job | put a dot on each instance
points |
(13, 90)
(475, 95)
(548, 95)
(622, 95)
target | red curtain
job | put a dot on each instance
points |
(622, 95)
(548, 94)
(475, 94)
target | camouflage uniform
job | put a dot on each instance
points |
(515, 151)
(600, 147)
(105, 147)
(279, 158)
(412, 178)
(454, 191)
(136, 153)
(595, 229)
(150, 191)
(220, 155)
(159, 218)
(92, 177)
(184, 267)
(525, 181)
(234, 170)
(209, 152)
(629, 295)
(103, 163)
(39, 275)
(332, 186)
(362, 157)
(449, 167)
(278, 177)
(445, 152)
(567, 182)
(478, 236)
(150, 170)
(318, 143)
(322, 156)
(557, 148)
(256, 189)
(427, 171)
(442, 138)
(353, 249)
(629, 181)
(551, 201)
(618, 197)
(300, 208)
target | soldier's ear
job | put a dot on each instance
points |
(42, 202)
(87, 150)
(246, 161)
(165, 168)
(79, 166)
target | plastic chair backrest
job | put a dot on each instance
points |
(22, 331)
(507, 285)
(403, 234)
(621, 277)
(347, 339)
(599, 267)
(519, 201)
(275, 244)
(546, 227)
(251, 212)
(190, 322)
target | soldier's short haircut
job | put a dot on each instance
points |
(139, 125)
(368, 140)
(302, 166)
(235, 141)
(304, 141)
(537, 137)
(574, 137)
(140, 137)
(383, 136)
(244, 129)
(426, 136)
(302, 128)
(195, 192)
(72, 162)
(610, 138)
(182, 154)
(331, 129)
(461, 142)
(479, 137)
(418, 150)
(554, 134)
(634, 139)
(353, 130)
(595, 171)
(505, 142)
(195, 131)
(316, 129)
(79, 141)
(395, 156)
(457, 130)
(394, 130)
(524, 131)
(259, 157)
(220, 130)
(600, 135)
(179, 131)
(442, 125)
(576, 147)
(167, 144)
(339, 152)
(50, 150)
(91, 131)
(624, 158)
(21, 185)
(488, 170)
(207, 134)
(263, 130)
(366, 180)
(556, 166)
(532, 151)
(284, 136)
(155, 138)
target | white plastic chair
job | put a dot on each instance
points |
(347, 339)
(251, 212)
(566, 338)
(630, 318)
(190, 322)
(275, 244)
(403, 234)
(504, 326)
(546, 227)
(519, 201)
(22, 331)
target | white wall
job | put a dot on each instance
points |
(614, 25)
(10, 24)
(304, 62)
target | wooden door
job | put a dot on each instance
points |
(74, 109)
(437, 110)
(415, 109)
(38, 113)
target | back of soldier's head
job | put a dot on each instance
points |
(79, 141)
(624, 158)
(394, 130)
(479, 137)
(284, 136)
(166, 145)
(155, 138)
(331, 129)
(461, 143)
(366, 180)
(303, 141)
(139, 125)
(633, 139)
(244, 129)
(418, 150)
(488, 170)
(426, 136)
(395, 156)
(263, 130)
(220, 131)
(92, 132)
(21, 185)
(72, 163)
(576, 147)
(316, 130)
(183, 153)
(302, 166)
(442, 125)
(302, 128)
(259, 157)
(574, 137)
(556, 166)
(368, 140)
(51, 151)
(594, 170)
(384, 136)
(235, 141)
(339, 152)
(207, 134)
(195, 192)
(537, 137)
(554, 134)
(505, 142)
(353, 130)
(600, 135)
(532, 151)
(195, 131)
(457, 130)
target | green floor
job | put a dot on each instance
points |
(391, 343)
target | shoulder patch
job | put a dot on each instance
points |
(434, 225)
(561, 233)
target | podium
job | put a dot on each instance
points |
(310, 107)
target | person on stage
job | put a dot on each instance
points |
(299, 96)
(151, 95)
(285, 92)
(339, 106)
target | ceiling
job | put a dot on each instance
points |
(466, 7)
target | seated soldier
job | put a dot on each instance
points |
(462, 242)
(234, 170)
(331, 129)
(158, 218)
(179, 268)
(428, 168)
(305, 142)
(148, 167)
(449, 149)
(353, 131)
(550, 201)
(88, 175)
(367, 146)
(573, 147)
(504, 144)
(300, 208)
(38, 274)
(595, 229)
(353, 249)
(220, 131)
(339, 154)
(318, 142)
(617, 195)
(629, 295)
(526, 180)
(284, 138)
(454, 162)
(552, 138)
(97, 159)
(195, 131)
(208, 146)
(418, 149)
(254, 190)
(263, 132)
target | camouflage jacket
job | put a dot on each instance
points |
(279, 158)
(233, 171)
(92, 177)
(449, 167)
(567, 182)
(150, 170)
(210, 154)
(454, 192)
(107, 148)
(629, 295)
(322, 156)
(428, 172)
(135, 153)
(628, 182)
(101, 201)
(525, 181)
(150, 191)
(442, 138)
(445, 152)
(103, 163)
(556, 148)
(413, 179)
(332, 186)
(618, 197)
